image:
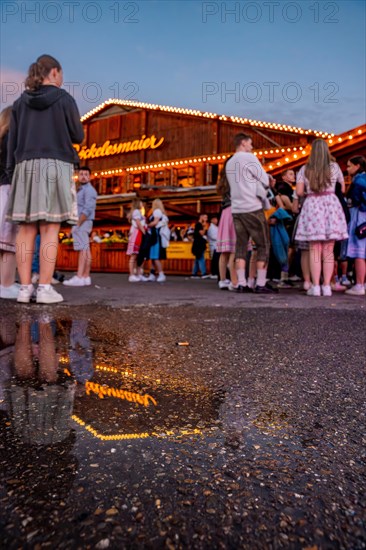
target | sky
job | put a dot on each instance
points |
(301, 62)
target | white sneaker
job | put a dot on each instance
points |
(134, 279)
(223, 285)
(205, 276)
(161, 278)
(74, 281)
(151, 277)
(314, 291)
(326, 290)
(48, 295)
(295, 278)
(9, 292)
(87, 281)
(25, 294)
(35, 278)
(306, 285)
(213, 277)
(143, 279)
(356, 290)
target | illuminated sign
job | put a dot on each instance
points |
(104, 390)
(108, 149)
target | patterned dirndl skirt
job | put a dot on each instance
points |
(43, 190)
(356, 247)
(8, 231)
(226, 236)
(134, 241)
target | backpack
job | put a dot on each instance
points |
(165, 233)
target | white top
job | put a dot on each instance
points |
(137, 215)
(248, 183)
(335, 175)
(212, 235)
(162, 217)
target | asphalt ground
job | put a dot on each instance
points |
(250, 435)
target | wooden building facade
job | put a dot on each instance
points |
(173, 153)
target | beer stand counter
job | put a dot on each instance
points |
(112, 258)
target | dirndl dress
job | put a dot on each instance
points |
(134, 241)
(226, 236)
(8, 231)
(356, 247)
(321, 219)
(43, 190)
(157, 252)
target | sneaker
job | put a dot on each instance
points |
(295, 278)
(356, 290)
(143, 279)
(345, 281)
(223, 285)
(25, 294)
(161, 278)
(48, 295)
(205, 277)
(307, 285)
(314, 291)
(337, 287)
(195, 277)
(232, 288)
(87, 281)
(151, 277)
(35, 278)
(213, 277)
(133, 279)
(9, 292)
(266, 289)
(326, 290)
(74, 281)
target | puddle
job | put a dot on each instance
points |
(60, 375)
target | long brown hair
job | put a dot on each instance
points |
(39, 70)
(5, 117)
(317, 169)
(222, 186)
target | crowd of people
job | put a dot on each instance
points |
(277, 221)
(306, 227)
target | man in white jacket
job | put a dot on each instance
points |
(249, 185)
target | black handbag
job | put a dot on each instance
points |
(360, 231)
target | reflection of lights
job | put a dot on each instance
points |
(107, 391)
(143, 435)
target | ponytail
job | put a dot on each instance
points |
(39, 70)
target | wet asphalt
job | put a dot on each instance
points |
(181, 416)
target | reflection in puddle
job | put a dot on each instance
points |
(52, 382)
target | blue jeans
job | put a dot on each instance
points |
(199, 265)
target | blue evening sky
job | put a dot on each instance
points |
(295, 62)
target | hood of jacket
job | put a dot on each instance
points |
(42, 98)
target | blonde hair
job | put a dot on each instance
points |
(136, 204)
(5, 117)
(157, 204)
(317, 169)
